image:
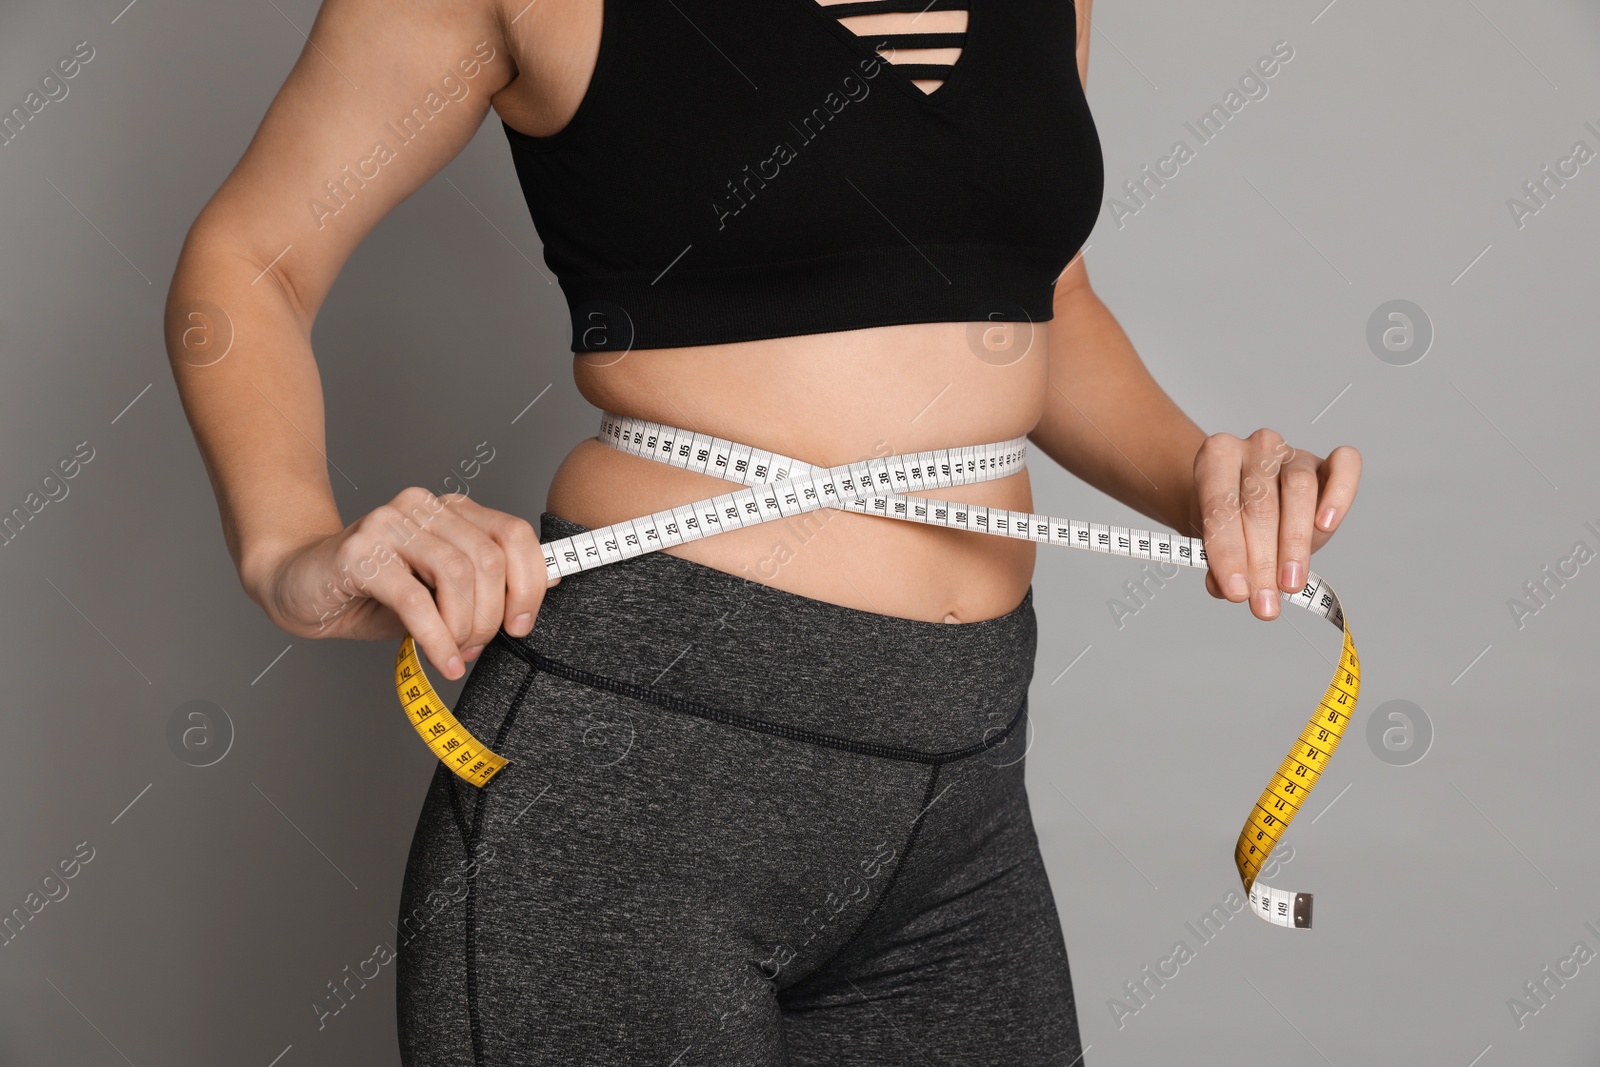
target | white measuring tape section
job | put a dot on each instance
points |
(778, 486)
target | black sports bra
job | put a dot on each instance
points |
(743, 169)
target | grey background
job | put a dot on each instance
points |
(220, 900)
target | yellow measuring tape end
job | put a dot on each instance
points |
(452, 742)
(1286, 793)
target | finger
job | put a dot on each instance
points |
(408, 522)
(399, 589)
(525, 573)
(488, 580)
(449, 573)
(1297, 494)
(1340, 474)
(375, 554)
(1211, 586)
(1216, 471)
(1261, 515)
(526, 577)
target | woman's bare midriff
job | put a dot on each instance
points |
(827, 399)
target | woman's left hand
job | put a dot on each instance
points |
(1263, 508)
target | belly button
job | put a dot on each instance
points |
(949, 616)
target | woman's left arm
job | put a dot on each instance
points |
(1261, 505)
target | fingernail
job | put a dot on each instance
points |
(1266, 603)
(522, 624)
(454, 668)
(470, 654)
(1237, 586)
(1325, 520)
(1293, 576)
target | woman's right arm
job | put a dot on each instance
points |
(326, 164)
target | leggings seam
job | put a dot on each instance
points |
(470, 919)
(894, 875)
(647, 695)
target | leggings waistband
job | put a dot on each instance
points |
(689, 637)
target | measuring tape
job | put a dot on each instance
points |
(779, 486)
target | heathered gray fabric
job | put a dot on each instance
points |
(654, 886)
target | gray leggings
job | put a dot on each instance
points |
(740, 827)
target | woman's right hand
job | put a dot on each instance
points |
(445, 569)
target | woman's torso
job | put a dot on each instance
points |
(825, 397)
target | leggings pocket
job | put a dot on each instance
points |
(498, 681)
(487, 709)
(442, 876)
